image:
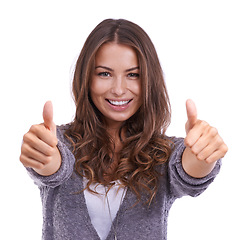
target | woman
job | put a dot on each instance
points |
(113, 173)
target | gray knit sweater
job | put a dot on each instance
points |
(65, 214)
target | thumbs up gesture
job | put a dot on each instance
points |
(202, 139)
(48, 117)
(39, 148)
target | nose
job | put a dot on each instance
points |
(119, 86)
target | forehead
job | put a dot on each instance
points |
(116, 55)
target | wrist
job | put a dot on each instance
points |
(193, 166)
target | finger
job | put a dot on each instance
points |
(208, 150)
(219, 153)
(208, 137)
(213, 144)
(38, 134)
(31, 163)
(199, 146)
(215, 156)
(43, 147)
(48, 117)
(200, 129)
(191, 114)
(33, 154)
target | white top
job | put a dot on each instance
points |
(97, 205)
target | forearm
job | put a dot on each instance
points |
(194, 167)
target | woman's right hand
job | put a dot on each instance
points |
(39, 148)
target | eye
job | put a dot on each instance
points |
(104, 74)
(133, 75)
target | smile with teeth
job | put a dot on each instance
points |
(118, 103)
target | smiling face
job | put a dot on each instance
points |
(115, 86)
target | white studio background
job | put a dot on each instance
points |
(198, 47)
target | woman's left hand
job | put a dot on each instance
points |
(203, 140)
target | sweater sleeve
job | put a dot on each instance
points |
(66, 168)
(180, 182)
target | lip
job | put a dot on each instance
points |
(119, 108)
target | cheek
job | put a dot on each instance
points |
(93, 86)
(136, 89)
(139, 94)
(96, 89)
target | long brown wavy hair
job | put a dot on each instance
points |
(144, 144)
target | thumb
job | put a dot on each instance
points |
(191, 114)
(48, 117)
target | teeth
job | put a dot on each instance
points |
(118, 103)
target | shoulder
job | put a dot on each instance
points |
(175, 142)
(61, 133)
(63, 128)
(173, 139)
(177, 149)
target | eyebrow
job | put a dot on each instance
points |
(109, 69)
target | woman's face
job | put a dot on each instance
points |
(116, 85)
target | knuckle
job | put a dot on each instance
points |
(219, 142)
(39, 166)
(24, 148)
(199, 157)
(187, 142)
(33, 128)
(194, 151)
(52, 143)
(50, 151)
(213, 131)
(27, 149)
(204, 123)
(36, 129)
(22, 159)
(47, 160)
(225, 148)
(209, 160)
(55, 141)
(26, 137)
